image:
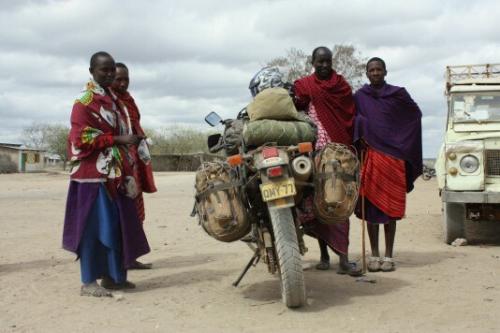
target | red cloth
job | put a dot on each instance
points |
(383, 182)
(95, 119)
(139, 204)
(143, 171)
(333, 102)
(133, 112)
(145, 179)
(335, 235)
(334, 108)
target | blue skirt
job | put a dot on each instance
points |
(100, 248)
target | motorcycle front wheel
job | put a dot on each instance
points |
(293, 290)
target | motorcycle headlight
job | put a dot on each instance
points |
(469, 163)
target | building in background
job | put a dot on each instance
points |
(24, 159)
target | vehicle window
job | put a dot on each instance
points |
(477, 107)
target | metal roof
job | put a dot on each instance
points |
(18, 147)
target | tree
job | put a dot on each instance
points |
(346, 60)
(35, 136)
(349, 62)
(294, 65)
(57, 141)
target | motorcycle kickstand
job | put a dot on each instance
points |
(253, 261)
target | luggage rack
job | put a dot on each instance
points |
(469, 74)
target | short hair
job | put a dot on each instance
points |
(121, 65)
(316, 50)
(93, 59)
(376, 59)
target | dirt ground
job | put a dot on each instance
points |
(436, 287)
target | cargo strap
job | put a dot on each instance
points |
(216, 188)
(341, 175)
(301, 183)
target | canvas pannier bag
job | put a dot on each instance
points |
(219, 203)
(284, 133)
(272, 103)
(336, 182)
(233, 136)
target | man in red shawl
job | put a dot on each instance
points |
(143, 170)
(327, 98)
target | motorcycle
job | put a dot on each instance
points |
(271, 180)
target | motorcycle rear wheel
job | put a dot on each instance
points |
(293, 290)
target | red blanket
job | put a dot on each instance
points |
(333, 102)
(383, 182)
(144, 169)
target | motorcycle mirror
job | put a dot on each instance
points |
(213, 140)
(213, 119)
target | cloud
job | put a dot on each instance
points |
(189, 57)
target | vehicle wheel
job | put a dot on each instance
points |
(453, 221)
(477, 232)
(293, 290)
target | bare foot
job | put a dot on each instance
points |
(95, 290)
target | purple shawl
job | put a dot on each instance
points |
(81, 198)
(390, 121)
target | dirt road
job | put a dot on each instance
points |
(436, 288)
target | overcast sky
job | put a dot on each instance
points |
(188, 57)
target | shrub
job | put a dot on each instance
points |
(178, 140)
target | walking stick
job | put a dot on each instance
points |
(363, 222)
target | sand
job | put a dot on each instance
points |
(436, 287)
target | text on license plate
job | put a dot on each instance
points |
(282, 189)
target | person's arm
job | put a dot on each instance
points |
(410, 104)
(132, 139)
(85, 139)
(301, 96)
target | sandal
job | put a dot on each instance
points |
(95, 290)
(352, 269)
(388, 265)
(374, 264)
(323, 265)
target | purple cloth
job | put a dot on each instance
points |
(390, 121)
(81, 197)
(373, 214)
(100, 248)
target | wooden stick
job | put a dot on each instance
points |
(363, 222)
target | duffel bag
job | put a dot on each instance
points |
(284, 133)
(272, 103)
(219, 204)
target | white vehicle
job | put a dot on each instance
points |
(468, 166)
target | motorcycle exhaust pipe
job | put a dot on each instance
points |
(302, 168)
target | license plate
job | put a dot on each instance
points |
(277, 190)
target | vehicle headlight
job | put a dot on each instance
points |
(469, 163)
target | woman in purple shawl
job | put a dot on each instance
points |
(388, 130)
(101, 224)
